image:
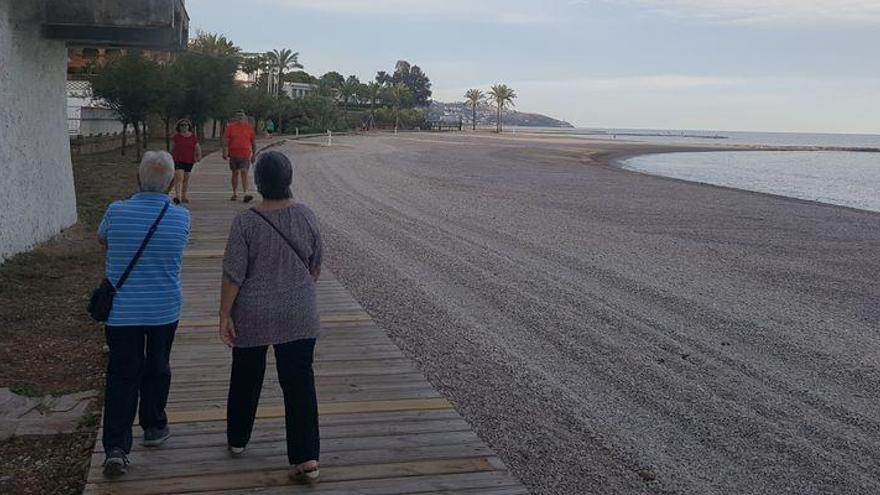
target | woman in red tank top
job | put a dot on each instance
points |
(186, 152)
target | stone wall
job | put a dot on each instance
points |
(38, 198)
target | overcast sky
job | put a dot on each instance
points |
(772, 65)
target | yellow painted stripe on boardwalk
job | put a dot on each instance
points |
(351, 407)
(276, 477)
(332, 318)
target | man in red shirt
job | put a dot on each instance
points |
(238, 147)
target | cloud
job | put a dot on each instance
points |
(764, 12)
(501, 12)
(659, 82)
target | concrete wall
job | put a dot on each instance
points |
(37, 198)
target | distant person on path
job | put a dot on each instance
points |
(186, 152)
(270, 268)
(239, 145)
(145, 310)
(270, 127)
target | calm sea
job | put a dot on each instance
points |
(835, 177)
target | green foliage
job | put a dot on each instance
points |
(254, 63)
(255, 102)
(208, 83)
(283, 60)
(300, 77)
(348, 91)
(320, 113)
(214, 45)
(330, 83)
(405, 118)
(474, 97)
(502, 95)
(130, 85)
(412, 77)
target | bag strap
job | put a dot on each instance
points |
(288, 241)
(140, 250)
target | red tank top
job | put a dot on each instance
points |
(185, 148)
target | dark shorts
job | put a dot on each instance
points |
(239, 163)
(186, 167)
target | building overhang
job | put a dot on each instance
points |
(148, 24)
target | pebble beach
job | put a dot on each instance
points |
(607, 331)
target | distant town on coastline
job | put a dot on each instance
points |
(486, 115)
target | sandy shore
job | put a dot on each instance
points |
(613, 332)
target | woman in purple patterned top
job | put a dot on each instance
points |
(270, 268)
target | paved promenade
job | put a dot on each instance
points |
(384, 429)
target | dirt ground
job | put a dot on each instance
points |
(48, 343)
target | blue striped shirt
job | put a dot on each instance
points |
(152, 295)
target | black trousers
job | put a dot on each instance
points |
(138, 369)
(294, 366)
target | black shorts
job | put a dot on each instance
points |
(186, 167)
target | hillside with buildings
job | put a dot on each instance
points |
(486, 116)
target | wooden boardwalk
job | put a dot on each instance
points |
(384, 429)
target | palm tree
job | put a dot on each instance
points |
(283, 60)
(373, 94)
(397, 95)
(348, 89)
(502, 96)
(474, 97)
(254, 63)
(215, 45)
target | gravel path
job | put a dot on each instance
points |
(611, 332)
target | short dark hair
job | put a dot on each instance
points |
(274, 175)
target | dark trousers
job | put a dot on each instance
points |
(294, 365)
(138, 368)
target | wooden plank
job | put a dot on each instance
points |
(213, 434)
(323, 409)
(482, 483)
(159, 463)
(279, 477)
(353, 316)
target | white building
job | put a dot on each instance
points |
(299, 90)
(86, 115)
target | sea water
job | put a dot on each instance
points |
(835, 177)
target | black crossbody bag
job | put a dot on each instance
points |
(102, 298)
(288, 241)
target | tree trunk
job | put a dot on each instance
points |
(124, 136)
(498, 126)
(214, 129)
(144, 133)
(168, 134)
(474, 121)
(137, 139)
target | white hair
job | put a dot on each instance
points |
(156, 171)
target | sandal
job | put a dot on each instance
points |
(176, 201)
(184, 200)
(234, 197)
(247, 198)
(309, 476)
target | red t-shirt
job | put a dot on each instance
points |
(185, 148)
(239, 135)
